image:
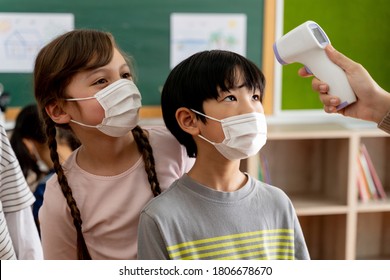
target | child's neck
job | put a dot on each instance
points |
(220, 177)
(108, 160)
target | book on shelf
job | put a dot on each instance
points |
(264, 174)
(369, 183)
(368, 177)
(374, 174)
(364, 192)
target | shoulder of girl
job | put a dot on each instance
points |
(159, 130)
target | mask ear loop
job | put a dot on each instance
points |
(211, 118)
(80, 99)
(83, 124)
(207, 140)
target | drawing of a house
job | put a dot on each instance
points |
(22, 44)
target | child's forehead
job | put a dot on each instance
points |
(233, 79)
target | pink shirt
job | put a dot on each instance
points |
(109, 205)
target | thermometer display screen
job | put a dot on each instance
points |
(319, 36)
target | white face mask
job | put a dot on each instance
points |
(121, 101)
(245, 135)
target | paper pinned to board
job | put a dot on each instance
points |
(22, 35)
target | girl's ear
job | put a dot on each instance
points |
(56, 113)
(187, 121)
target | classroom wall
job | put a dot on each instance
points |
(141, 28)
(358, 28)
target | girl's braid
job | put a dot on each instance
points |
(145, 149)
(82, 250)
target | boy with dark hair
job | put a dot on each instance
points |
(211, 103)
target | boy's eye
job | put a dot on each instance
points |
(256, 97)
(230, 98)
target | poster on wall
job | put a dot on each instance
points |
(194, 32)
(22, 35)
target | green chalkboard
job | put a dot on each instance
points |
(358, 28)
(141, 28)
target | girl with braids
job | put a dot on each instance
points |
(83, 81)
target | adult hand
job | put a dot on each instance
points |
(372, 103)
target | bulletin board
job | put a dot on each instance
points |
(360, 29)
(141, 28)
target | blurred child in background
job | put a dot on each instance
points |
(29, 142)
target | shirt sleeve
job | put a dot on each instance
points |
(24, 235)
(300, 247)
(151, 245)
(19, 234)
(385, 123)
(14, 191)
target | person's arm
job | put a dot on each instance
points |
(58, 233)
(15, 202)
(24, 234)
(373, 102)
(151, 245)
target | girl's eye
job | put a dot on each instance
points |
(230, 98)
(100, 82)
(127, 76)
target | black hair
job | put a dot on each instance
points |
(28, 125)
(197, 79)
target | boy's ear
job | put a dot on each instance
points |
(187, 120)
(56, 113)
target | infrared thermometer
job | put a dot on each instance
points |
(306, 44)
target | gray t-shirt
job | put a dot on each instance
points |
(192, 221)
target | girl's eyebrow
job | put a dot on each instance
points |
(104, 69)
(124, 65)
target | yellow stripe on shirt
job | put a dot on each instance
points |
(250, 244)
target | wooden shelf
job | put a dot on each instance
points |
(309, 206)
(375, 205)
(316, 165)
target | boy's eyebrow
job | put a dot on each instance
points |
(237, 86)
